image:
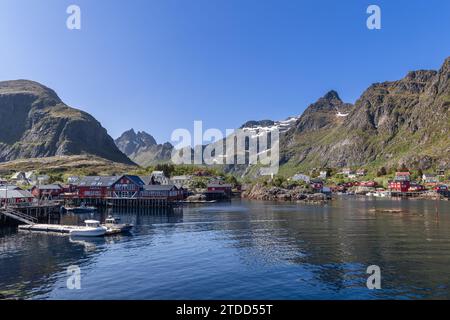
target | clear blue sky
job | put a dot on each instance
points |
(160, 65)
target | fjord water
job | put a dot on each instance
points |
(243, 250)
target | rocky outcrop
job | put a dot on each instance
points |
(259, 191)
(36, 123)
(143, 149)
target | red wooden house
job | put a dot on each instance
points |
(165, 191)
(401, 182)
(220, 186)
(371, 184)
(126, 186)
(15, 196)
(49, 191)
(96, 186)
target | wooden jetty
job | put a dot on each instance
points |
(64, 229)
(48, 228)
(133, 203)
(13, 215)
(18, 216)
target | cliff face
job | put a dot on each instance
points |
(142, 148)
(36, 123)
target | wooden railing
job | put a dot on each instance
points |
(18, 216)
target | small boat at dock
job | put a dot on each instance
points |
(198, 201)
(114, 226)
(92, 229)
(381, 194)
(81, 209)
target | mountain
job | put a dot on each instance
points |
(143, 149)
(36, 123)
(328, 110)
(131, 142)
(392, 123)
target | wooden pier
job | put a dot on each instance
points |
(18, 216)
(130, 203)
(412, 194)
(48, 228)
(13, 215)
(64, 229)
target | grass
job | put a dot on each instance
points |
(66, 166)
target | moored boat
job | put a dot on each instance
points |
(92, 229)
(114, 226)
(81, 209)
(381, 193)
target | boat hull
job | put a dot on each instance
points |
(89, 232)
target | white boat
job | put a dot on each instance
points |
(381, 194)
(112, 224)
(92, 229)
(370, 194)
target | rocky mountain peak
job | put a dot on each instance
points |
(331, 95)
(260, 123)
(38, 94)
(36, 123)
(329, 102)
(142, 148)
(130, 134)
(327, 110)
(145, 138)
(131, 142)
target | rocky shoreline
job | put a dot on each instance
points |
(271, 193)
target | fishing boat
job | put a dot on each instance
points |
(198, 201)
(92, 229)
(81, 209)
(381, 194)
(114, 226)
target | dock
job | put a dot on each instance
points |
(111, 202)
(64, 229)
(48, 228)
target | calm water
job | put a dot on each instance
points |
(243, 250)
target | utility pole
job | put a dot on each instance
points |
(6, 197)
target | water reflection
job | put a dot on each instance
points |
(243, 250)
(32, 262)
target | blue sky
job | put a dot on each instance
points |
(160, 65)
